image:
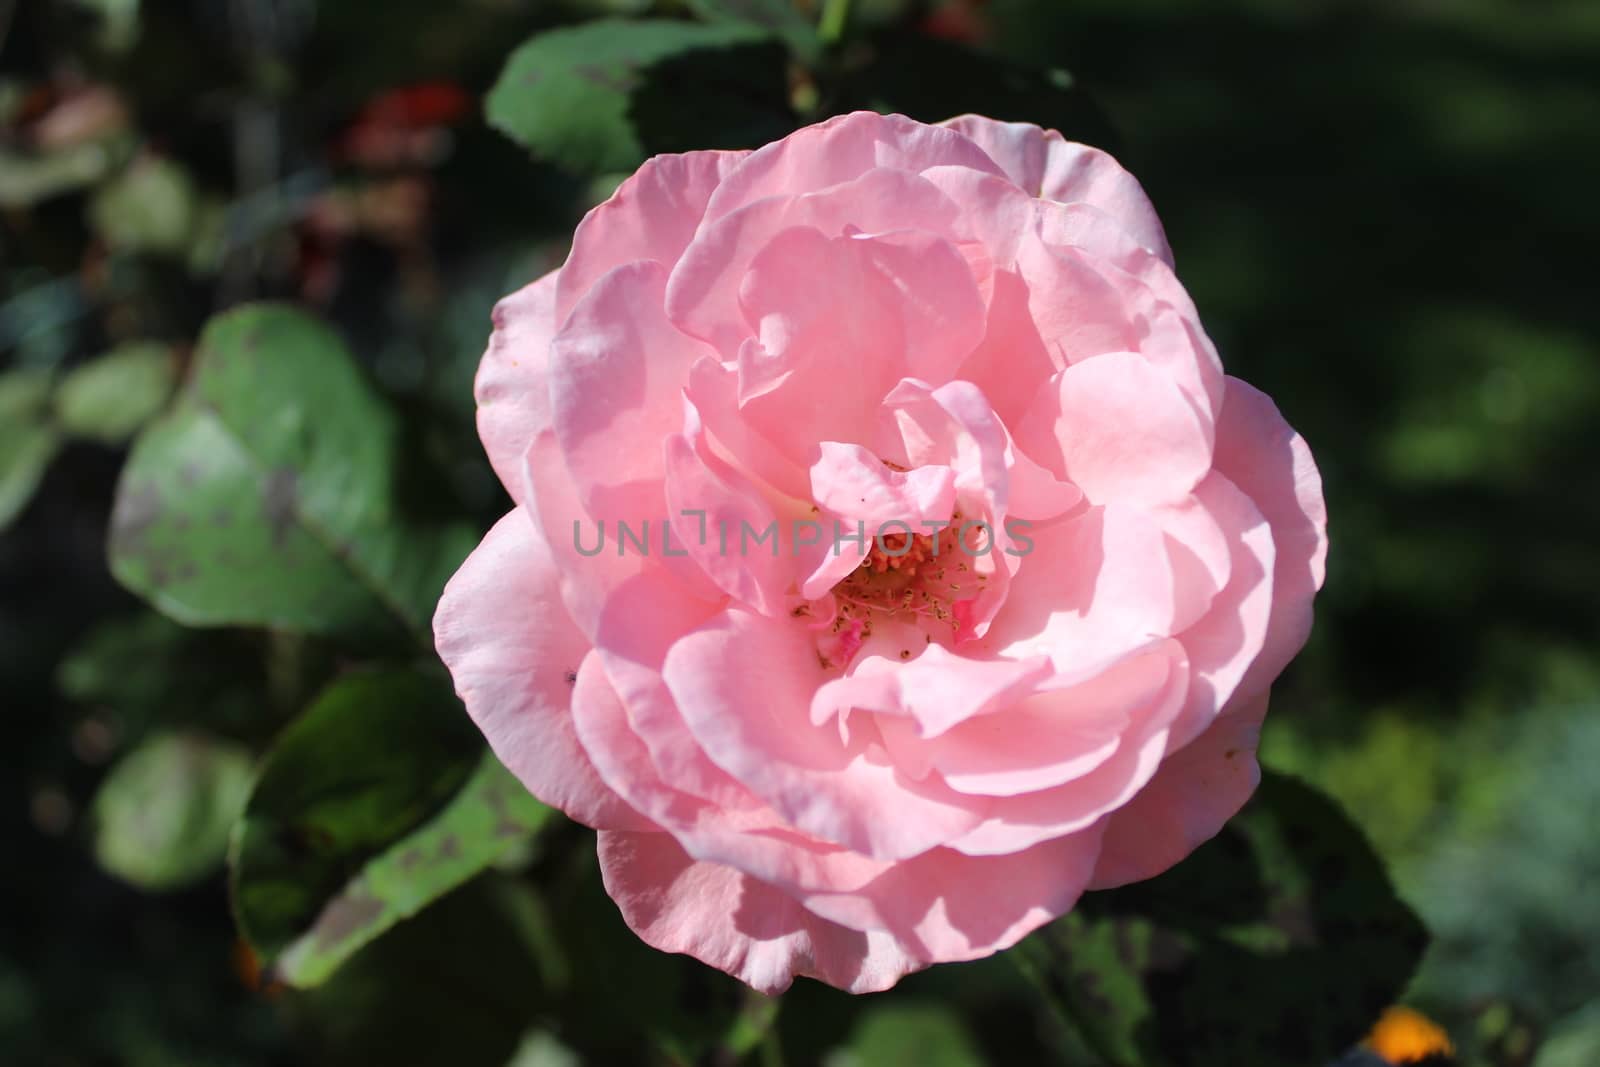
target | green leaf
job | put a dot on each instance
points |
(377, 801)
(163, 814)
(119, 22)
(26, 449)
(27, 178)
(455, 987)
(150, 207)
(540, 1048)
(145, 672)
(109, 398)
(27, 442)
(25, 392)
(895, 79)
(1279, 942)
(781, 18)
(567, 95)
(910, 1034)
(268, 496)
(1573, 1041)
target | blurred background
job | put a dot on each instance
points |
(1386, 212)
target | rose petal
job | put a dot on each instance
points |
(947, 906)
(840, 150)
(724, 524)
(1053, 737)
(514, 653)
(934, 691)
(1095, 587)
(512, 385)
(1045, 164)
(1021, 821)
(744, 686)
(704, 293)
(617, 373)
(1196, 791)
(1119, 429)
(652, 215)
(1260, 454)
(1227, 641)
(740, 925)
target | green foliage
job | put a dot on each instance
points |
(109, 398)
(26, 179)
(780, 18)
(163, 814)
(150, 207)
(1414, 184)
(1575, 1041)
(909, 1034)
(595, 97)
(1277, 944)
(375, 802)
(26, 449)
(27, 440)
(1528, 867)
(25, 393)
(269, 495)
(456, 987)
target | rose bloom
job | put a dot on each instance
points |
(850, 760)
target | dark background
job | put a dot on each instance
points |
(1386, 212)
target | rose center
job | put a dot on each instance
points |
(920, 579)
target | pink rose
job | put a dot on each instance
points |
(813, 756)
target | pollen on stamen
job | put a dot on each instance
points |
(906, 575)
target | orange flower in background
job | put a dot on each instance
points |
(1405, 1036)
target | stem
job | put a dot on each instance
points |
(835, 19)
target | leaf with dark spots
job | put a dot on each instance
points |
(1276, 944)
(377, 801)
(279, 503)
(455, 987)
(267, 496)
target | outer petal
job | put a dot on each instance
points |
(946, 906)
(704, 293)
(1047, 165)
(1150, 299)
(738, 924)
(512, 386)
(1225, 644)
(652, 216)
(839, 150)
(1259, 453)
(1196, 791)
(617, 373)
(514, 653)
(623, 761)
